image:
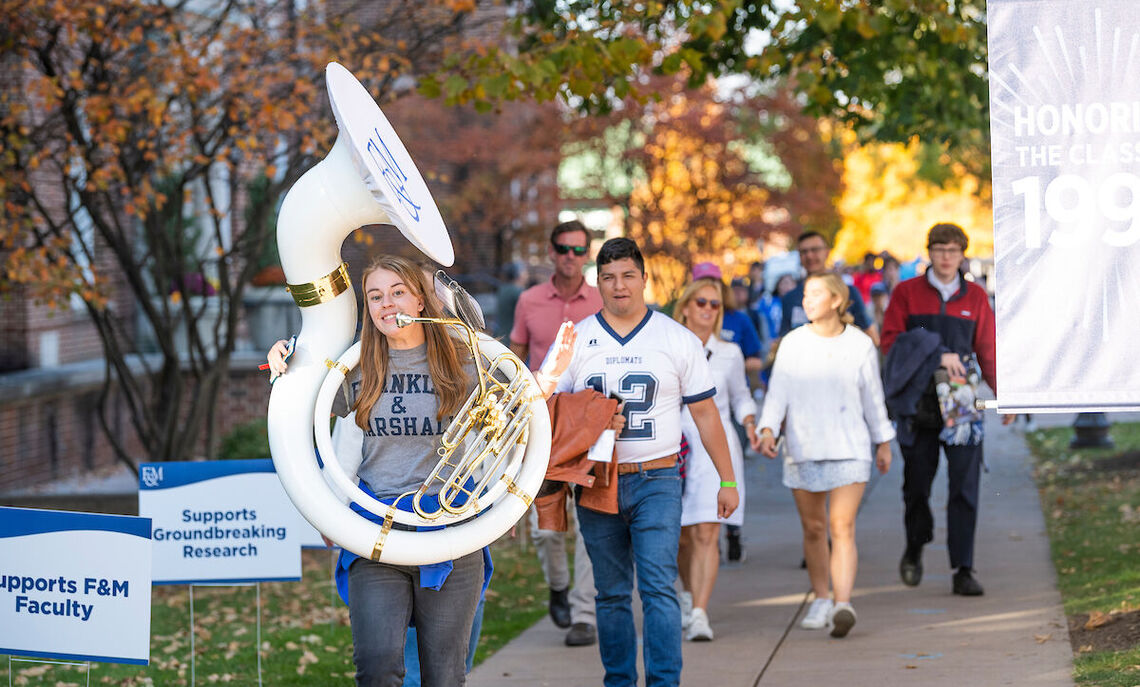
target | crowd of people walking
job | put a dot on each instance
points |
(820, 371)
(797, 372)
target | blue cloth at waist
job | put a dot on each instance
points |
(433, 575)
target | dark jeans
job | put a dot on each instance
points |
(412, 653)
(641, 539)
(920, 465)
(383, 598)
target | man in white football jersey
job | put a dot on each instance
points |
(654, 365)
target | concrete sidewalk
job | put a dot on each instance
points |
(1014, 635)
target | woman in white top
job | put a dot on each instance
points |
(701, 309)
(826, 391)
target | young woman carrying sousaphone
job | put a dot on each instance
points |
(411, 469)
(412, 381)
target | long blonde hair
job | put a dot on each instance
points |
(443, 353)
(837, 287)
(690, 292)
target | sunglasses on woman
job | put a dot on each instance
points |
(706, 303)
(563, 249)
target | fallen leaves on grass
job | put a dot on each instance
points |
(307, 658)
(1097, 619)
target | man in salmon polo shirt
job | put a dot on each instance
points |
(541, 309)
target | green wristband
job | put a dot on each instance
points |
(728, 485)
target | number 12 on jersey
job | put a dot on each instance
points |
(639, 389)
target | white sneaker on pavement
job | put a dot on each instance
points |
(699, 628)
(842, 619)
(817, 615)
(686, 608)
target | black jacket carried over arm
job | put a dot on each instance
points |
(907, 373)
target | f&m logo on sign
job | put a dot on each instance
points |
(151, 475)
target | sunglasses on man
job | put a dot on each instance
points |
(562, 249)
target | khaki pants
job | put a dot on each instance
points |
(551, 548)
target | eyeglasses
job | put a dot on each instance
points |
(562, 249)
(706, 303)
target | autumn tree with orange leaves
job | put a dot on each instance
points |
(701, 175)
(151, 142)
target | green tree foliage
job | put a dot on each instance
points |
(893, 69)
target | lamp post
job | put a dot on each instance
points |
(1090, 430)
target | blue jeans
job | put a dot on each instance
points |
(642, 537)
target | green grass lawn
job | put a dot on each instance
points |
(305, 637)
(1094, 529)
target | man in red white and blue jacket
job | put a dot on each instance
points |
(943, 302)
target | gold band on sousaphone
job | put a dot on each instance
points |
(321, 290)
(493, 455)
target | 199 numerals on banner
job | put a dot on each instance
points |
(1072, 199)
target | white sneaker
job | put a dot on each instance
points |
(686, 609)
(842, 619)
(817, 615)
(699, 629)
(1030, 426)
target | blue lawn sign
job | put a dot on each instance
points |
(224, 521)
(75, 586)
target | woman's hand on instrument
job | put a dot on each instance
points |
(276, 357)
(883, 457)
(768, 444)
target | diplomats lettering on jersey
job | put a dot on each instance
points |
(624, 360)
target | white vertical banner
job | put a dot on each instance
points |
(74, 586)
(1065, 130)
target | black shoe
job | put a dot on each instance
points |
(735, 550)
(560, 607)
(965, 584)
(910, 568)
(581, 634)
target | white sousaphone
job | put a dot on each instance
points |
(493, 456)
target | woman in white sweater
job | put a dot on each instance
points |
(826, 391)
(701, 309)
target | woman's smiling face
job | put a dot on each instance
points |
(699, 317)
(387, 294)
